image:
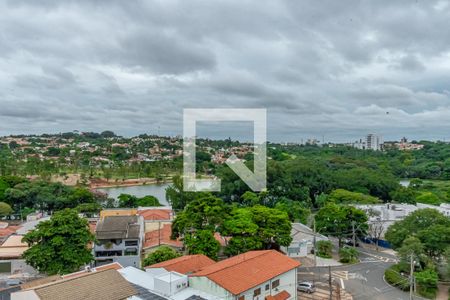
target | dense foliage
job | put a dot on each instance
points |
(59, 245)
(161, 254)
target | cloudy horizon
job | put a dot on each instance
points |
(331, 69)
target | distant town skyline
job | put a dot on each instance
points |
(322, 68)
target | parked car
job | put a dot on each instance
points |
(306, 287)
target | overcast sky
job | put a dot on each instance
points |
(338, 69)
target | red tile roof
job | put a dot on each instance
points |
(185, 264)
(283, 295)
(161, 237)
(5, 232)
(156, 214)
(223, 240)
(242, 272)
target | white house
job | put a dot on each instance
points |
(255, 275)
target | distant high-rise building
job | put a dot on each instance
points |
(370, 142)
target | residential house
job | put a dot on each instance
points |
(187, 264)
(302, 240)
(252, 275)
(119, 239)
(11, 261)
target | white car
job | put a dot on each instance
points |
(306, 287)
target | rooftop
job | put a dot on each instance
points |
(245, 271)
(185, 264)
(108, 284)
(13, 247)
(156, 214)
(161, 237)
(118, 227)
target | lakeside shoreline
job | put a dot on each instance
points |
(104, 184)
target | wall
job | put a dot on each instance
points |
(208, 286)
(288, 282)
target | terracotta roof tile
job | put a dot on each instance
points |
(242, 272)
(156, 214)
(283, 295)
(161, 237)
(185, 264)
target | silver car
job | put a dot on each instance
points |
(306, 287)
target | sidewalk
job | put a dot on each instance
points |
(442, 293)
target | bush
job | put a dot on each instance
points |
(348, 255)
(393, 276)
(161, 254)
(324, 249)
(427, 283)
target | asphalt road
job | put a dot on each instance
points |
(363, 280)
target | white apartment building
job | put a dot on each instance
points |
(370, 142)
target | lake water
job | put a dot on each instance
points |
(404, 182)
(157, 190)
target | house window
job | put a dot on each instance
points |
(257, 292)
(241, 297)
(131, 251)
(275, 283)
(131, 243)
(267, 287)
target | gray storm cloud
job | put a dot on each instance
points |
(337, 69)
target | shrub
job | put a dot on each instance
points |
(393, 276)
(161, 254)
(324, 249)
(427, 283)
(348, 255)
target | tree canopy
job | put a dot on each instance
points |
(59, 245)
(161, 254)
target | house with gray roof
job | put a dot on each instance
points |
(119, 239)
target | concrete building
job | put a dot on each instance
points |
(11, 261)
(302, 240)
(252, 275)
(387, 214)
(370, 142)
(119, 239)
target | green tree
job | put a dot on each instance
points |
(59, 245)
(347, 197)
(412, 224)
(207, 212)
(294, 209)
(148, 200)
(339, 220)
(412, 246)
(404, 195)
(348, 255)
(5, 209)
(428, 198)
(161, 254)
(202, 242)
(257, 227)
(436, 240)
(324, 249)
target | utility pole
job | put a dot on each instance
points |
(329, 283)
(411, 276)
(314, 242)
(354, 234)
